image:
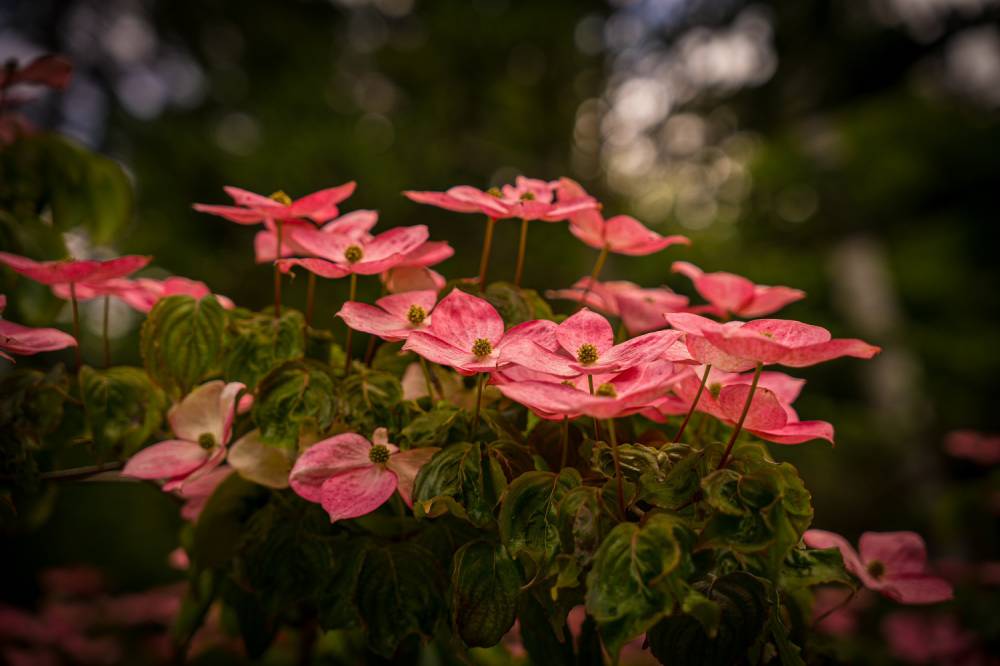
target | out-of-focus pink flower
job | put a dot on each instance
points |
(732, 295)
(72, 581)
(892, 563)
(254, 208)
(51, 71)
(195, 491)
(737, 346)
(141, 293)
(203, 424)
(640, 309)
(527, 199)
(835, 611)
(336, 256)
(621, 234)
(351, 477)
(73, 271)
(978, 447)
(26, 341)
(917, 638)
(393, 317)
(413, 278)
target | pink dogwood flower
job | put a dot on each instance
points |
(254, 208)
(527, 199)
(351, 476)
(412, 278)
(336, 256)
(978, 447)
(393, 317)
(142, 293)
(891, 563)
(203, 424)
(73, 271)
(50, 70)
(197, 491)
(356, 225)
(737, 346)
(27, 341)
(621, 234)
(640, 309)
(732, 295)
(916, 638)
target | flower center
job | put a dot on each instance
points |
(494, 192)
(528, 196)
(587, 353)
(416, 314)
(568, 383)
(206, 440)
(281, 198)
(715, 388)
(607, 391)
(482, 347)
(876, 569)
(353, 253)
(379, 454)
(767, 334)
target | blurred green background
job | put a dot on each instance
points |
(851, 149)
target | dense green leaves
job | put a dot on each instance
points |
(124, 408)
(485, 584)
(454, 482)
(529, 517)
(221, 525)
(182, 342)
(295, 398)
(255, 343)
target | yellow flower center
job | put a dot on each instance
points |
(281, 198)
(353, 253)
(494, 192)
(587, 353)
(206, 440)
(379, 454)
(876, 569)
(607, 391)
(416, 314)
(715, 389)
(528, 196)
(482, 347)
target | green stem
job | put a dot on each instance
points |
(427, 379)
(565, 442)
(350, 331)
(310, 297)
(619, 479)
(277, 272)
(694, 403)
(107, 342)
(743, 416)
(76, 324)
(522, 249)
(479, 401)
(484, 261)
(598, 266)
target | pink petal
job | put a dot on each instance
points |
(766, 411)
(25, 341)
(460, 319)
(588, 226)
(900, 552)
(198, 492)
(207, 409)
(56, 272)
(405, 465)
(723, 290)
(546, 397)
(170, 459)
(767, 300)
(49, 70)
(250, 199)
(399, 305)
(797, 432)
(231, 213)
(355, 225)
(825, 351)
(638, 350)
(540, 331)
(395, 242)
(376, 321)
(325, 459)
(641, 310)
(918, 589)
(322, 244)
(585, 328)
(320, 267)
(322, 205)
(852, 561)
(627, 235)
(439, 351)
(428, 254)
(401, 278)
(528, 354)
(357, 492)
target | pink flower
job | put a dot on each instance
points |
(73, 271)
(26, 341)
(731, 295)
(253, 208)
(336, 256)
(771, 416)
(527, 199)
(141, 293)
(467, 334)
(392, 318)
(640, 309)
(925, 639)
(621, 234)
(585, 345)
(892, 563)
(356, 225)
(978, 447)
(352, 477)
(835, 612)
(615, 394)
(196, 491)
(415, 278)
(52, 71)
(737, 346)
(203, 425)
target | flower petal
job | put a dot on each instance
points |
(852, 561)
(357, 492)
(797, 432)
(170, 459)
(766, 411)
(25, 341)
(320, 267)
(583, 328)
(918, 589)
(767, 300)
(395, 242)
(375, 321)
(627, 235)
(900, 552)
(324, 459)
(207, 409)
(406, 465)
(635, 351)
(460, 319)
(436, 350)
(260, 462)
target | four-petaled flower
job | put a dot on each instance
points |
(526, 199)
(640, 309)
(26, 341)
(203, 424)
(732, 295)
(355, 225)
(70, 271)
(254, 208)
(336, 255)
(393, 317)
(141, 293)
(892, 563)
(351, 476)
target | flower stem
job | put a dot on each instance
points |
(107, 342)
(598, 266)
(565, 442)
(310, 297)
(479, 401)
(350, 331)
(277, 272)
(743, 416)
(694, 403)
(78, 473)
(76, 324)
(597, 424)
(427, 379)
(484, 261)
(522, 249)
(619, 479)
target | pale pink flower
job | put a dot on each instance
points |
(141, 293)
(73, 271)
(732, 295)
(351, 476)
(978, 447)
(26, 341)
(527, 199)
(336, 256)
(393, 317)
(254, 208)
(892, 563)
(202, 423)
(640, 309)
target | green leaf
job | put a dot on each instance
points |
(546, 439)
(529, 517)
(584, 521)
(256, 343)
(257, 461)
(294, 398)
(452, 482)
(680, 484)
(544, 643)
(806, 567)
(485, 584)
(788, 652)
(434, 427)
(337, 599)
(637, 460)
(368, 399)
(124, 408)
(639, 577)
(741, 600)
(220, 527)
(257, 624)
(182, 342)
(399, 594)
